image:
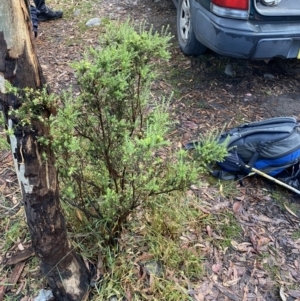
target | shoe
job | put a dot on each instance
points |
(47, 14)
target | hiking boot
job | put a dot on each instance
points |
(47, 14)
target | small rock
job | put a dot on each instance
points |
(93, 22)
(269, 76)
(77, 12)
(44, 295)
(229, 70)
(153, 267)
(113, 16)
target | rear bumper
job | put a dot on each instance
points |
(244, 38)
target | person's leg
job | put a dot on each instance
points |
(39, 3)
(45, 13)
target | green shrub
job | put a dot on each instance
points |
(111, 142)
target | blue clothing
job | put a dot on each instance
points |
(34, 19)
(39, 4)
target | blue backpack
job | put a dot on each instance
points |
(271, 146)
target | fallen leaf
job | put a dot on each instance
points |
(144, 256)
(264, 218)
(209, 231)
(231, 282)
(246, 290)
(20, 256)
(20, 288)
(198, 297)
(221, 190)
(2, 287)
(100, 267)
(16, 273)
(282, 295)
(290, 211)
(220, 206)
(20, 247)
(262, 240)
(234, 297)
(128, 295)
(216, 268)
(190, 125)
(13, 278)
(242, 247)
(79, 215)
(294, 293)
(237, 207)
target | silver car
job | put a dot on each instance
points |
(256, 29)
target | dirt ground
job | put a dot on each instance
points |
(265, 264)
(272, 88)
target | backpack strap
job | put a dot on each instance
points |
(256, 155)
(233, 168)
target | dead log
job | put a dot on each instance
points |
(65, 270)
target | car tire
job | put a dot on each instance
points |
(186, 36)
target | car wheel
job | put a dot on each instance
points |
(186, 36)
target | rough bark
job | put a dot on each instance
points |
(64, 269)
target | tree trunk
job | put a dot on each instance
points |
(65, 271)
